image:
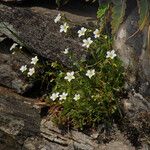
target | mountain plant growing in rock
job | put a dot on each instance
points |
(87, 93)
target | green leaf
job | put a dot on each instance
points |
(61, 2)
(118, 13)
(102, 10)
(58, 2)
(143, 8)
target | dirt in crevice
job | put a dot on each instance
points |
(38, 90)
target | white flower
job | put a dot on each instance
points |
(13, 46)
(81, 32)
(34, 60)
(76, 97)
(69, 76)
(105, 36)
(63, 96)
(20, 47)
(54, 96)
(31, 71)
(64, 27)
(90, 73)
(111, 54)
(66, 51)
(57, 19)
(96, 33)
(87, 42)
(23, 68)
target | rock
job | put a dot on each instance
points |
(35, 29)
(22, 128)
(13, 1)
(8, 0)
(38, 143)
(131, 46)
(75, 138)
(7, 142)
(18, 119)
(116, 145)
(129, 51)
(10, 74)
(2, 37)
(137, 111)
(136, 104)
(38, 32)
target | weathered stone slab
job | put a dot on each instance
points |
(22, 128)
(132, 47)
(137, 111)
(10, 74)
(18, 118)
(35, 29)
(38, 32)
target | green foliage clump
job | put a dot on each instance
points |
(88, 93)
(115, 10)
(98, 95)
(88, 100)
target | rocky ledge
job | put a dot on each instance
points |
(25, 124)
(22, 126)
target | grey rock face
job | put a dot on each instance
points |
(130, 44)
(22, 128)
(10, 75)
(18, 119)
(136, 104)
(137, 111)
(38, 32)
(132, 47)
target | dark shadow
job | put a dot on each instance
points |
(130, 132)
(131, 5)
(34, 92)
(44, 111)
(79, 7)
(5, 46)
